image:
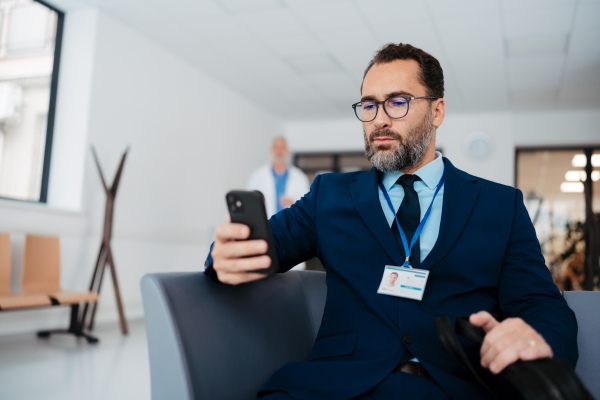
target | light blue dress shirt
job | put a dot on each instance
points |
(430, 175)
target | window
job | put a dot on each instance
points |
(30, 35)
(561, 188)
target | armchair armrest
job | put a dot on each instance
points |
(214, 341)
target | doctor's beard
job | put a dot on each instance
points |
(410, 151)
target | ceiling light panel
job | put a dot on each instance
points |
(580, 160)
(587, 15)
(189, 11)
(582, 97)
(243, 48)
(151, 22)
(457, 9)
(217, 27)
(584, 43)
(293, 45)
(571, 187)
(517, 5)
(313, 64)
(179, 40)
(354, 62)
(536, 45)
(538, 21)
(535, 73)
(575, 176)
(272, 22)
(581, 72)
(532, 100)
(241, 6)
(581, 176)
(422, 36)
(336, 85)
(350, 40)
(329, 17)
(461, 44)
(271, 68)
(482, 78)
(302, 3)
(383, 12)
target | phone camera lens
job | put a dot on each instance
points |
(238, 203)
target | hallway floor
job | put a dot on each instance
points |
(66, 368)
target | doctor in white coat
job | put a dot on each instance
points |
(282, 184)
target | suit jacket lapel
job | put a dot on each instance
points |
(365, 197)
(460, 195)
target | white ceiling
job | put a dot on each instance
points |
(305, 58)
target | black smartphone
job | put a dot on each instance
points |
(248, 208)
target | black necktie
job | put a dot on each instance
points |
(409, 216)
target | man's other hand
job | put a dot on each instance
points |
(232, 255)
(508, 341)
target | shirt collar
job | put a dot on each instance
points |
(430, 174)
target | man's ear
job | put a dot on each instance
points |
(439, 112)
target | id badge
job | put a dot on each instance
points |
(403, 282)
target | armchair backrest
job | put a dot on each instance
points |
(586, 306)
(210, 341)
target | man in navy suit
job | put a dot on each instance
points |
(460, 245)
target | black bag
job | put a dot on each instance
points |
(541, 379)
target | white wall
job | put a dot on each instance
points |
(573, 128)
(187, 149)
(506, 130)
(72, 110)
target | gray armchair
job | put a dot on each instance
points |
(208, 341)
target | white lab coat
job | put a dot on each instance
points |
(262, 179)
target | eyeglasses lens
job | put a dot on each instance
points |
(366, 110)
(396, 107)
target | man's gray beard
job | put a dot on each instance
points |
(410, 150)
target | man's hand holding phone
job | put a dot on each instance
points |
(234, 257)
(244, 250)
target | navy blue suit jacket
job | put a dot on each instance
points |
(487, 257)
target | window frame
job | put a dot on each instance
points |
(43, 198)
(52, 103)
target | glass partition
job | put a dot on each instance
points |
(561, 189)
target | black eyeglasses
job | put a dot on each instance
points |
(394, 107)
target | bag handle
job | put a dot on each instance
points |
(465, 329)
(450, 341)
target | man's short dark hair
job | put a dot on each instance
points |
(394, 273)
(432, 75)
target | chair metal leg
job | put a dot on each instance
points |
(75, 328)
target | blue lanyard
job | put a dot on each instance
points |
(407, 249)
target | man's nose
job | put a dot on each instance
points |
(382, 120)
